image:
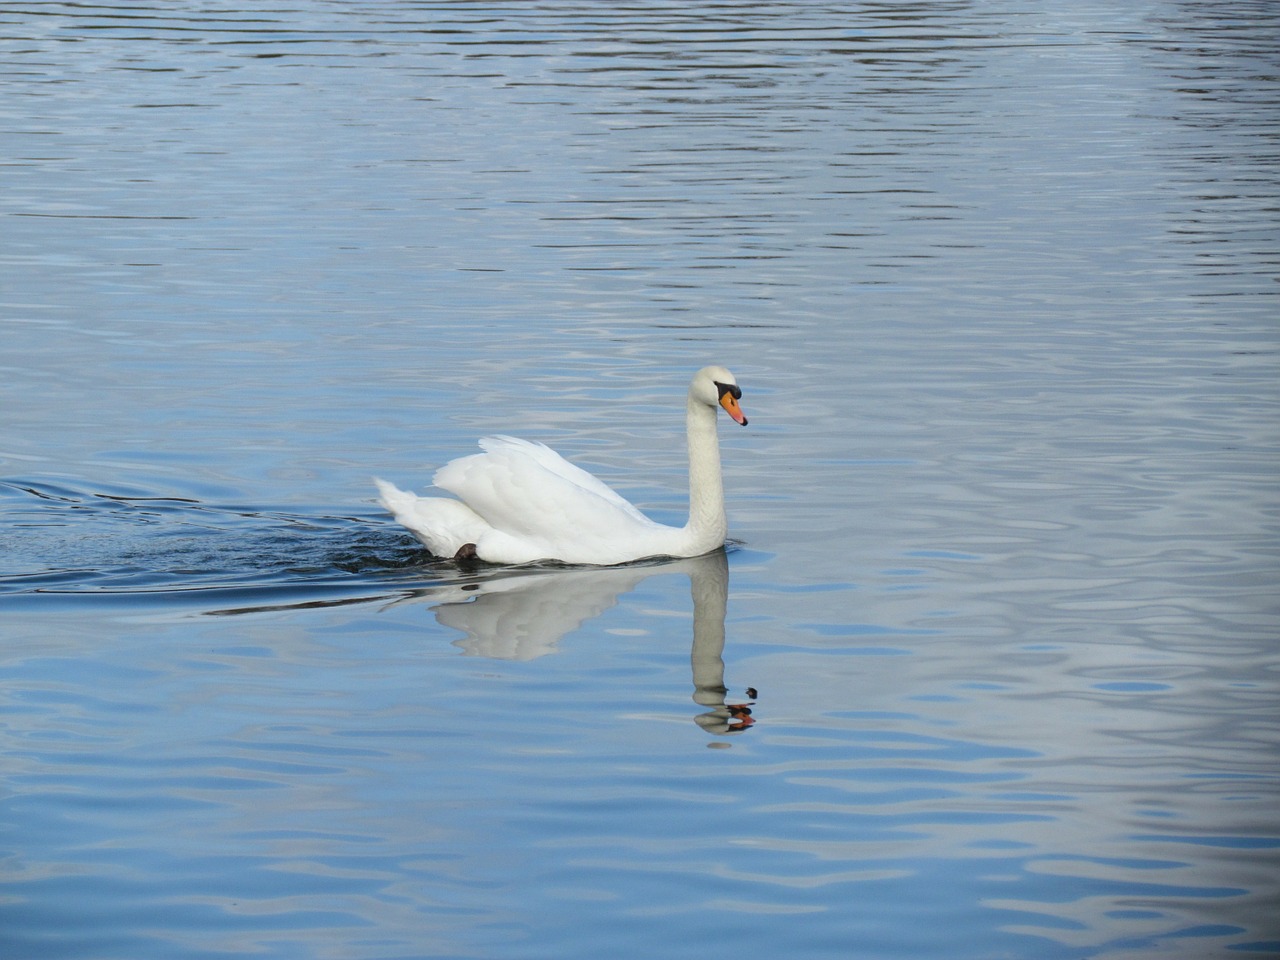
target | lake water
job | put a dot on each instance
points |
(990, 668)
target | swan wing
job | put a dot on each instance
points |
(549, 460)
(527, 492)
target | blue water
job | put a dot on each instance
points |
(989, 667)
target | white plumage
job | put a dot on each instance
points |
(520, 501)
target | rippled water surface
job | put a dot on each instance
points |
(990, 667)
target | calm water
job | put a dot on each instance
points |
(1000, 284)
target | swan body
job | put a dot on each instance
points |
(520, 501)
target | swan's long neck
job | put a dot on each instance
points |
(707, 525)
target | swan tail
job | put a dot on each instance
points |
(440, 524)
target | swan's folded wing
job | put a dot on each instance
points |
(548, 459)
(527, 490)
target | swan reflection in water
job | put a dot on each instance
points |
(522, 614)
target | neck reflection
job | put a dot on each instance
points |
(709, 586)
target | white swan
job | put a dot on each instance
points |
(521, 501)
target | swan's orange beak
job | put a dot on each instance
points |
(730, 404)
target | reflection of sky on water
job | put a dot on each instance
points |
(999, 285)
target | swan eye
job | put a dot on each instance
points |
(732, 389)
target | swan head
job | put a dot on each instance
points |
(717, 387)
